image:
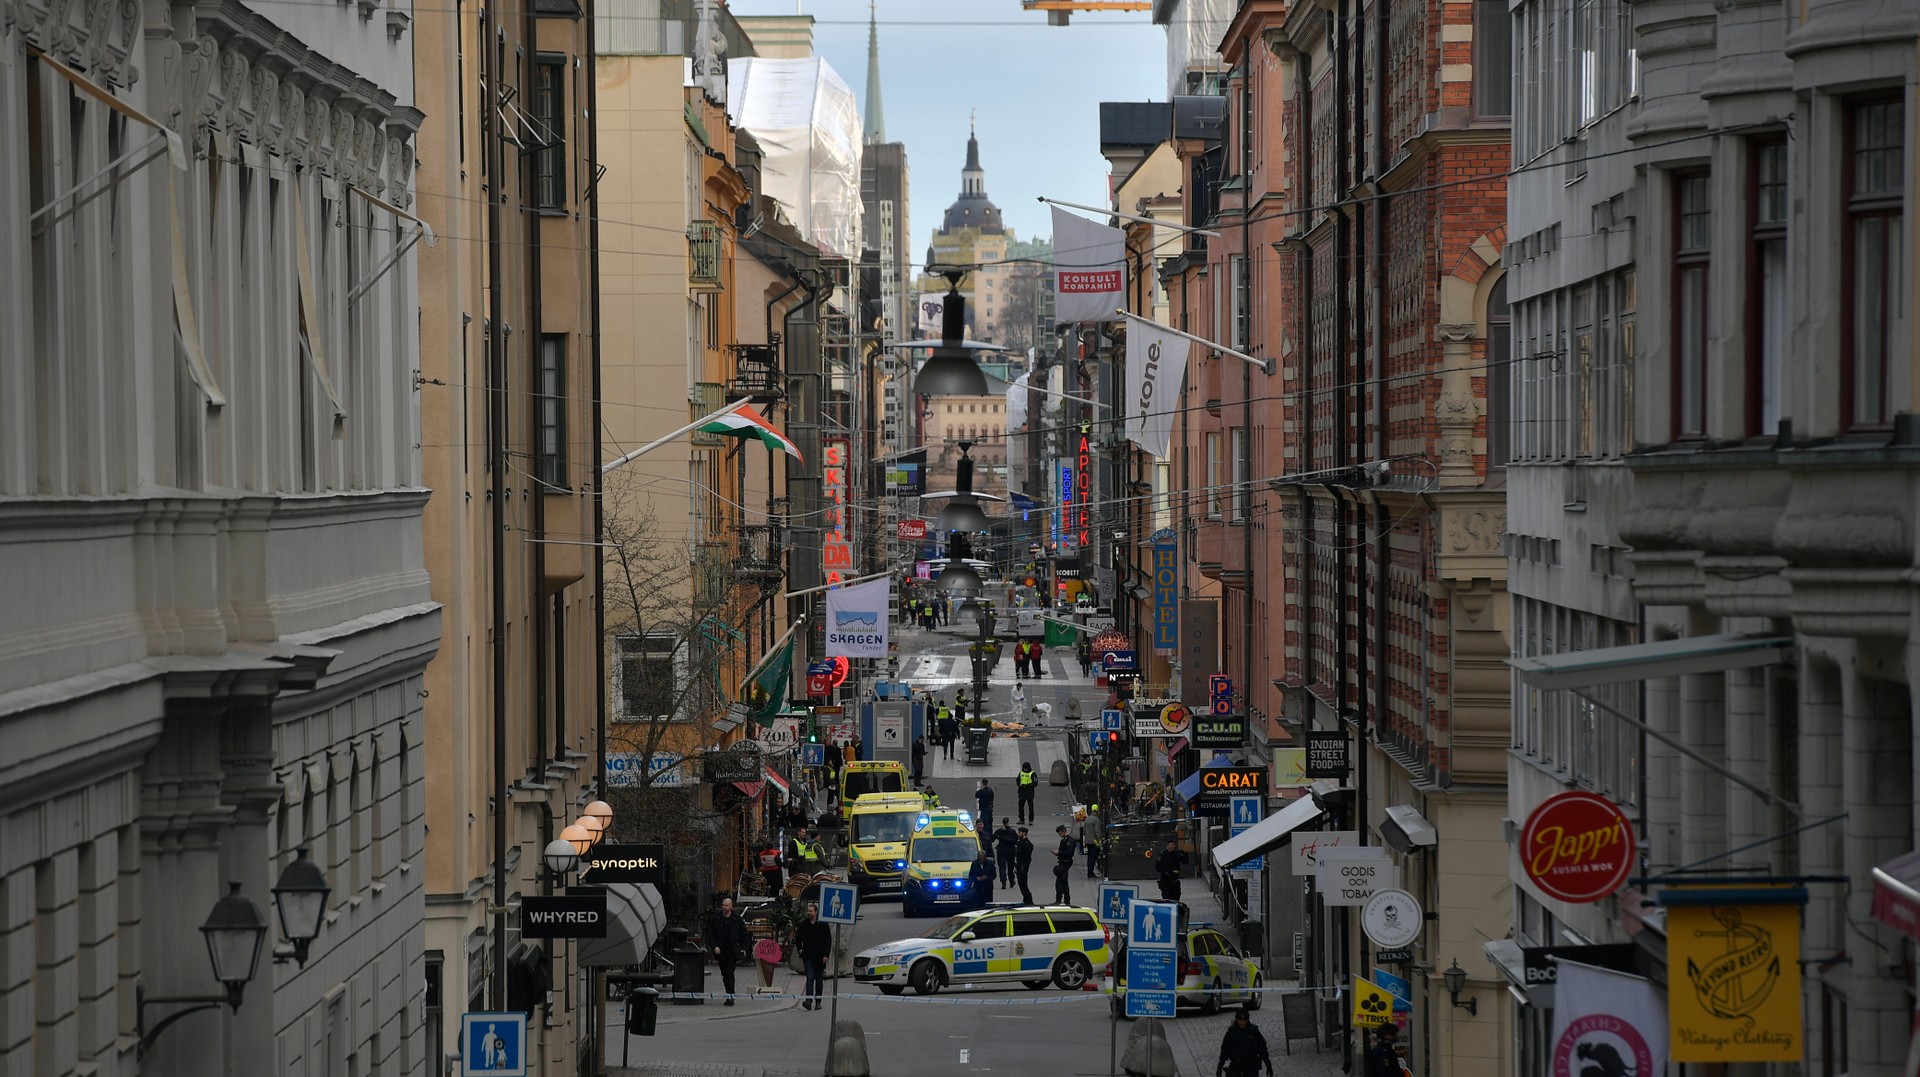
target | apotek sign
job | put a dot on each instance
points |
(1577, 847)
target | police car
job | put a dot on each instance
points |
(1212, 972)
(1034, 945)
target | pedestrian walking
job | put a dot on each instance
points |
(1244, 1050)
(1022, 863)
(1168, 865)
(984, 797)
(1036, 655)
(815, 943)
(1063, 855)
(770, 860)
(981, 875)
(949, 729)
(1084, 652)
(727, 938)
(919, 757)
(1004, 841)
(1020, 660)
(1092, 833)
(1382, 1059)
(1025, 785)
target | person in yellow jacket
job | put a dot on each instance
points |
(1026, 783)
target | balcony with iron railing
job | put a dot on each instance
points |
(756, 373)
(758, 561)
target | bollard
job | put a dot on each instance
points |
(847, 1057)
(1148, 1054)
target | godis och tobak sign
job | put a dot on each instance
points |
(1577, 847)
(836, 548)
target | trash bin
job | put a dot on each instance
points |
(1253, 938)
(689, 968)
(977, 744)
(643, 1011)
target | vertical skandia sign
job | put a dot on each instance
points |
(1166, 591)
(836, 548)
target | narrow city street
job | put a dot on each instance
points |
(962, 1030)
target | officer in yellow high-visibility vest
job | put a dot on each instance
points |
(1026, 783)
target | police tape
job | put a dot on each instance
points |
(1330, 994)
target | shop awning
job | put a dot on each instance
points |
(1896, 893)
(776, 781)
(1652, 661)
(751, 789)
(1189, 786)
(636, 915)
(1267, 833)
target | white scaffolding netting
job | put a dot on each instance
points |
(808, 125)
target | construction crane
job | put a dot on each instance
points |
(1058, 10)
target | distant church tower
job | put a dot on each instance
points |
(883, 196)
(972, 234)
(875, 131)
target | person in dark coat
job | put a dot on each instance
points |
(1063, 856)
(1244, 1050)
(1382, 1059)
(981, 875)
(919, 757)
(1022, 862)
(814, 940)
(1004, 841)
(727, 938)
(984, 795)
(1168, 865)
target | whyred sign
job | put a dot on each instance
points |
(1577, 847)
(911, 529)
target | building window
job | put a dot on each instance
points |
(1499, 375)
(1766, 284)
(1874, 268)
(1492, 58)
(1242, 301)
(549, 114)
(1241, 472)
(1213, 475)
(649, 668)
(1692, 237)
(550, 411)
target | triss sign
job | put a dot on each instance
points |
(1233, 779)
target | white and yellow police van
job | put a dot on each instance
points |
(1035, 945)
(1212, 972)
(878, 826)
(940, 855)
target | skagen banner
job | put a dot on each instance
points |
(1156, 364)
(857, 620)
(1089, 269)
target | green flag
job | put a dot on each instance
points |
(766, 691)
(1059, 635)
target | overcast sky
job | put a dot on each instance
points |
(1036, 89)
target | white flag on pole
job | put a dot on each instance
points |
(857, 620)
(1606, 1020)
(1017, 403)
(1156, 364)
(1089, 269)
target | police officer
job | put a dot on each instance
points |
(1004, 841)
(1026, 784)
(809, 856)
(1168, 866)
(984, 797)
(1244, 1049)
(1022, 861)
(960, 702)
(1063, 865)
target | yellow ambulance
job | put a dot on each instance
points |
(863, 776)
(878, 826)
(940, 855)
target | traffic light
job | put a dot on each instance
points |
(813, 732)
(1112, 738)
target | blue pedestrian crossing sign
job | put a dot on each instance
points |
(839, 903)
(813, 755)
(493, 1045)
(1096, 740)
(1151, 925)
(1113, 720)
(1115, 900)
(1244, 813)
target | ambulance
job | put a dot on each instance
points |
(863, 776)
(878, 826)
(940, 853)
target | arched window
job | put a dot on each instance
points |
(1499, 375)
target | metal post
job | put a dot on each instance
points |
(833, 1011)
(1113, 1031)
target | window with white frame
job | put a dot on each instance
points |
(649, 669)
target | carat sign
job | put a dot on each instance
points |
(1577, 847)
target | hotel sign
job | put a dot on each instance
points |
(1166, 592)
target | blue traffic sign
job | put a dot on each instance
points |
(1115, 898)
(1151, 983)
(1097, 740)
(813, 755)
(1114, 720)
(1245, 813)
(1151, 925)
(839, 903)
(493, 1045)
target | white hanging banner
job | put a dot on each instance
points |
(1089, 269)
(1017, 403)
(1156, 364)
(1608, 1017)
(857, 620)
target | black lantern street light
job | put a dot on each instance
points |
(234, 932)
(950, 369)
(1456, 980)
(963, 512)
(300, 898)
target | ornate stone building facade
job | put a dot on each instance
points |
(217, 609)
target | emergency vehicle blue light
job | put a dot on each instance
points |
(935, 884)
(966, 817)
(920, 822)
(899, 863)
(959, 884)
